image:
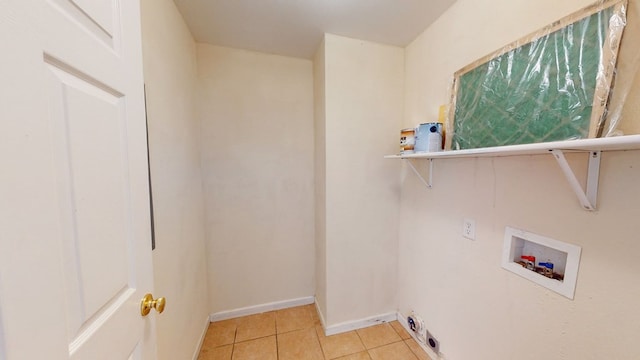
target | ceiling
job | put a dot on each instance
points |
(295, 27)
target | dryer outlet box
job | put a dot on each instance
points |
(433, 343)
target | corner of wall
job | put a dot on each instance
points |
(179, 258)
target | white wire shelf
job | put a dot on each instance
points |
(617, 143)
(587, 197)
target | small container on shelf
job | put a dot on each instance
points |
(407, 140)
(429, 137)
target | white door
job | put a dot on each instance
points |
(75, 256)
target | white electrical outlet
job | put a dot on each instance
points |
(433, 343)
(469, 229)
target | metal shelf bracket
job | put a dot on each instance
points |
(587, 198)
(428, 183)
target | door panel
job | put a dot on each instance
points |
(100, 18)
(113, 335)
(75, 256)
(100, 11)
(91, 163)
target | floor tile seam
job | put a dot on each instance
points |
(261, 313)
(248, 316)
(392, 342)
(343, 355)
(222, 345)
(364, 348)
(324, 353)
(257, 338)
(319, 343)
(394, 329)
(310, 318)
(297, 329)
(422, 351)
(233, 348)
(387, 344)
(415, 357)
(407, 341)
(324, 356)
(362, 341)
(227, 344)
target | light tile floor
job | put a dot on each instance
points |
(296, 334)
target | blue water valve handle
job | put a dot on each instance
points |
(548, 265)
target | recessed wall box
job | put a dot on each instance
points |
(564, 257)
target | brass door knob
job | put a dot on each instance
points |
(148, 302)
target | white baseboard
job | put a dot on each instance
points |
(358, 324)
(403, 321)
(330, 330)
(353, 325)
(321, 316)
(204, 333)
(257, 309)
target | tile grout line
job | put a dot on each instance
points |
(391, 343)
(308, 319)
(235, 335)
(315, 332)
(363, 345)
(275, 324)
(324, 353)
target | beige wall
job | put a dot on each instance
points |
(179, 257)
(363, 88)
(474, 308)
(256, 112)
(320, 183)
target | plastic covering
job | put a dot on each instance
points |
(552, 85)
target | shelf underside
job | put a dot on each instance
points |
(628, 142)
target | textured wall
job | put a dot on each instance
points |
(475, 308)
(320, 173)
(179, 258)
(363, 108)
(256, 113)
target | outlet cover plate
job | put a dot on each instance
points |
(433, 343)
(469, 229)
